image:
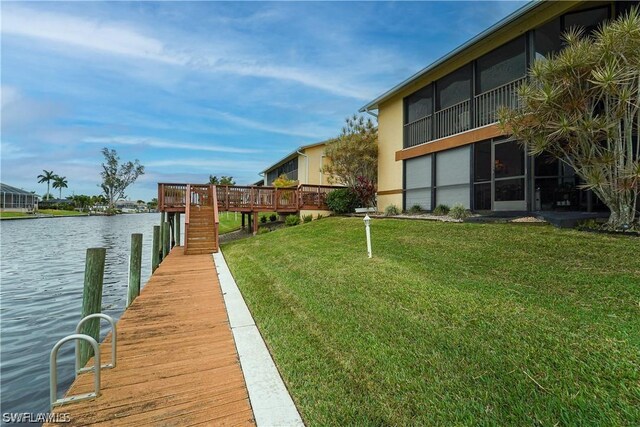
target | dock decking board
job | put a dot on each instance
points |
(177, 361)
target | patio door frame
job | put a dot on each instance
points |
(511, 205)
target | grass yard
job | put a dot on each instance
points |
(59, 212)
(13, 214)
(448, 324)
(228, 222)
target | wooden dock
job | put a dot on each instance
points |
(177, 363)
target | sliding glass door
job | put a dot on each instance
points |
(509, 184)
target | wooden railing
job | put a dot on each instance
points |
(172, 197)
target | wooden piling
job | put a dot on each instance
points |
(92, 299)
(155, 248)
(172, 230)
(135, 267)
(177, 227)
(166, 248)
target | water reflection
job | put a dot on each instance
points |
(41, 276)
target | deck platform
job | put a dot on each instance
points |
(177, 361)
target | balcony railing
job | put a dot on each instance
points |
(457, 118)
(452, 120)
(488, 103)
(418, 132)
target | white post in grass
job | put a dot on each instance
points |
(367, 230)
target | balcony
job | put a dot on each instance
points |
(460, 117)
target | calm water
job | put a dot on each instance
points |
(42, 273)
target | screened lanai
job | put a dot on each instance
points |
(13, 199)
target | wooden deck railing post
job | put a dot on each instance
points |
(177, 228)
(166, 239)
(92, 299)
(155, 248)
(135, 267)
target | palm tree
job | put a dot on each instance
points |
(60, 182)
(47, 176)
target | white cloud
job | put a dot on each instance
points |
(161, 143)
(122, 39)
(222, 165)
(111, 38)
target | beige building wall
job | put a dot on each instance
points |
(389, 141)
(309, 167)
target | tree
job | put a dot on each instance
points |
(583, 107)
(60, 182)
(153, 203)
(354, 153)
(81, 201)
(117, 177)
(46, 176)
(283, 181)
(223, 180)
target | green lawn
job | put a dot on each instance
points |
(229, 222)
(448, 324)
(59, 212)
(12, 214)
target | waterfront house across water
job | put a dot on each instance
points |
(14, 199)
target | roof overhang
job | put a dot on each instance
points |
(511, 18)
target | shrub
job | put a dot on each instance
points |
(391, 210)
(263, 230)
(273, 217)
(415, 209)
(320, 216)
(342, 200)
(365, 191)
(292, 220)
(441, 210)
(458, 212)
(307, 218)
(263, 219)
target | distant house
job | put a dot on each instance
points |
(128, 206)
(13, 199)
(303, 165)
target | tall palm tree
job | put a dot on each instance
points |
(60, 182)
(47, 176)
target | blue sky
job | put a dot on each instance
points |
(198, 88)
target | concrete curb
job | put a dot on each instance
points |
(270, 400)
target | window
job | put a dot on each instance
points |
(418, 182)
(501, 66)
(482, 175)
(548, 39)
(454, 88)
(419, 104)
(587, 19)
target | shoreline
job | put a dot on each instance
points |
(61, 216)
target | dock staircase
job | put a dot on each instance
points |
(201, 220)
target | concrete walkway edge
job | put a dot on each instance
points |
(270, 400)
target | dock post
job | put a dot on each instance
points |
(92, 299)
(172, 230)
(166, 248)
(155, 248)
(135, 266)
(177, 227)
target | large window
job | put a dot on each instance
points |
(501, 66)
(418, 182)
(290, 169)
(454, 88)
(482, 175)
(587, 19)
(453, 176)
(419, 104)
(548, 38)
